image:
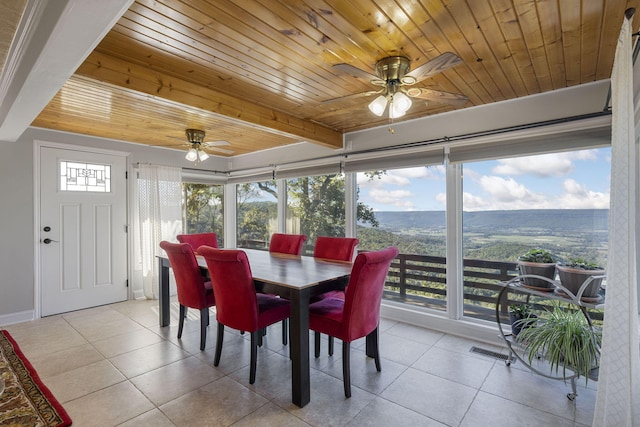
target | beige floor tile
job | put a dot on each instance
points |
(114, 364)
(328, 406)
(108, 407)
(148, 358)
(415, 333)
(65, 360)
(382, 413)
(363, 371)
(124, 343)
(85, 380)
(153, 418)
(458, 367)
(171, 381)
(448, 401)
(270, 415)
(220, 403)
(489, 411)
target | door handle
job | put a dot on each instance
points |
(48, 241)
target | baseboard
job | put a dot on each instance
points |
(23, 316)
(139, 294)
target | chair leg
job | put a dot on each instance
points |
(255, 337)
(376, 349)
(285, 329)
(330, 345)
(316, 336)
(183, 314)
(260, 335)
(346, 367)
(216, 360)
(204, 323)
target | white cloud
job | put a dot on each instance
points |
(396, 198)
(544, 165)
(400, 177)
(578, 196)
(506, 194)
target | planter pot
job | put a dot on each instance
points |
(573, 278)
(516, 326)
(539, 269)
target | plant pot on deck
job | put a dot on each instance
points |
(547, 270)
(573, 278)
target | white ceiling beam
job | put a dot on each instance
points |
(52, 39)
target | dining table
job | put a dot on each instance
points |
(296, 278)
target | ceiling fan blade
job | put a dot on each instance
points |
(435, 66)
(215, 143)
(353, 96)
(356, 72)
(454, 99)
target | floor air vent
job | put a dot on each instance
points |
(489, 353)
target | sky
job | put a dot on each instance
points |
(569, 180)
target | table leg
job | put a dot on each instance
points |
(299, 327)
(163, 297)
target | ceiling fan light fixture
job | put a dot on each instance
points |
(202, 156)
(378, 105)
(192, 154)
(400, 103)
(395, 113)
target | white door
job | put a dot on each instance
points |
(83, 240)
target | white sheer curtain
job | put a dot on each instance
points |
(618, 398)
(158, 217)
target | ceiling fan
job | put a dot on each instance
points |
(394, 75)
(197, 146)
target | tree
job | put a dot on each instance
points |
(204, 208)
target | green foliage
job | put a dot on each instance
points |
(581, 264)
(520, 310)
(256, 208)
(203, 206)
(537, 255)
(565, 339)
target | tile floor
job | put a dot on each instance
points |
(114, 366)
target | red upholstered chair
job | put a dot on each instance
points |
(287, 243)
(238, 305)
(199, 239)
(193, 291)
(334, 249)
(358, 315)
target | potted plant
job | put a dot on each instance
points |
(576, 272)
(520, 316)
(563, 338)
(538, 262)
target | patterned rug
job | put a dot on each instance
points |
(25, 401)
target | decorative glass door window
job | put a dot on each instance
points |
(85, 177)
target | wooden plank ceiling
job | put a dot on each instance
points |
(259, 73)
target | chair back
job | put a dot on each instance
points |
(199, 239)
(363, 295)
(189, 279)
(335, 248)
(287, 243)
(236, 301)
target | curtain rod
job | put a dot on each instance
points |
(441, 140)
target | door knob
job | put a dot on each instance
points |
(47, 241)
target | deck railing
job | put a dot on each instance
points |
(421, 280)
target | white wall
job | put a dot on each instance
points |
(18, 242)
